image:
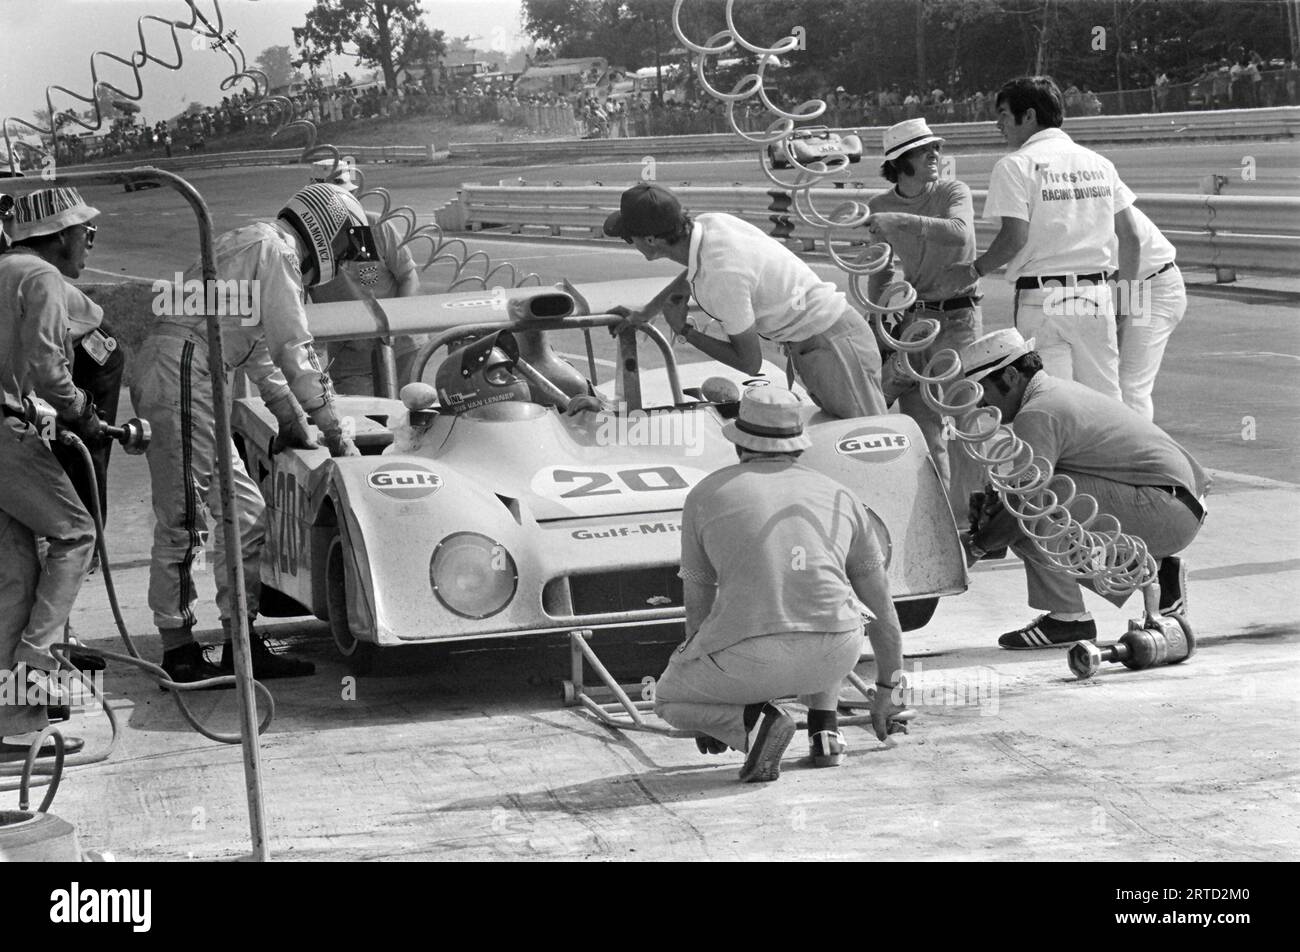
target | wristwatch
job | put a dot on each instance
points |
(685, 334)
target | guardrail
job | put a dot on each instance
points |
(1279, 121)
(365, 154)
(1222, 231)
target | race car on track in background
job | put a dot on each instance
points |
(514, 520)
(815, 144)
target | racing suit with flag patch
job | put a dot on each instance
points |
(36, 498)
(264, 334)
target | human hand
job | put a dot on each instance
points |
(341, 446)
(293, 434)
(583, 403)
(630, 317)
(956, 278)
(887, 226)
(884, 707)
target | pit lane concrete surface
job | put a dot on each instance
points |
(471, 755)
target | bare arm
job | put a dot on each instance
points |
(886, 636)
(1130, 247)
(1011, 237)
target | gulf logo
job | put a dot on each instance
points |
(404, 481)
(873, 444)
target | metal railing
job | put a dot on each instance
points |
(1279, 122)
(1208, 230)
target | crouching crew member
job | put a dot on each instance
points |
(51, 232)
(1135, 471)
(265, 334)
(754, 288)
(772, 555)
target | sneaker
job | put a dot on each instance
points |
(776, 729)
(267, 665)
(826, 748)
(710, 745)
(1173, 586)
(187, 664)
(1048, 632)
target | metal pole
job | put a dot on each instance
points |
(225, 472)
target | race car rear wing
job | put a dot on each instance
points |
(435, 313)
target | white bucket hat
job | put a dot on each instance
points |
(990, 353)
(905, 135)
(47, 211)
(341, 173)
(770, 421)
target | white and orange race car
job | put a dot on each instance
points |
(515, 520)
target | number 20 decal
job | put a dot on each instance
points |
(646, 480)
(594, 487)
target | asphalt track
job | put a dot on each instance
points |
(470, 756)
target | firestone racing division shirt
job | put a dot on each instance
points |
(1069, 195)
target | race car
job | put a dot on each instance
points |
(815, 144)
(514, 520)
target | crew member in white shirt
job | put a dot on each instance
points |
(1064, 213)
(754, 288)
(1147, 314)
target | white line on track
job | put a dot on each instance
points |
(1249, 353)
(582, 358)
(125, 277)
(1260, 482)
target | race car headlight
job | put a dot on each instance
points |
(472, 575)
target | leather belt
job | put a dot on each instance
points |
(1155, 274)
(1037, 281)
(952, 304)
(1186, 498)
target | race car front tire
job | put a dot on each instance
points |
(360, 655)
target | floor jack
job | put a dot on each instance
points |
(624, 713)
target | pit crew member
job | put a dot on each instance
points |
(1062, 209)
(773, 554)
(51, 231)
(1148, 314)
(754, 288)
(1134, 470)
(265, 334)
(931, 225)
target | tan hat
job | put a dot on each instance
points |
(770, 421)
(48, 211)
(906, 135)
(990, 353)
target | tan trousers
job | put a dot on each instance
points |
(708, 694)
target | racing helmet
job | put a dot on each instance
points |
(334, 227)
(480, 374)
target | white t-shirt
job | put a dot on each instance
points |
(1069, 195)
(743, 278)
(1157, 251)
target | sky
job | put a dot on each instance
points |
(50, 42)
